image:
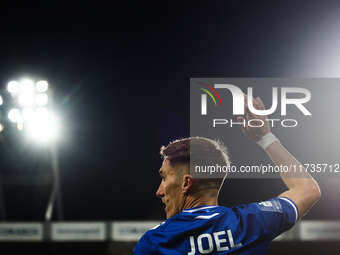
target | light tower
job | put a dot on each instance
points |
(27, 106)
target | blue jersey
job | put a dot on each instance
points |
(243, 229)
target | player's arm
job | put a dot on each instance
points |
(303, 190)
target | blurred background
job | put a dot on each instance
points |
(91, 91)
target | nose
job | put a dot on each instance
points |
(160, 191)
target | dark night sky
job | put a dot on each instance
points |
(120, 73)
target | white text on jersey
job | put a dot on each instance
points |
(216, 241)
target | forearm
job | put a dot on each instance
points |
(302, 187)
(280, 156)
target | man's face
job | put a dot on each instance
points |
(170, 190)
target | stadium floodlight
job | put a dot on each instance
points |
(28, 113)
(13, 87)
(43, 129)
(20, 126)
(31, 114)
(26, 99)
(42, 86)
(41, 113)
(41, 99)
(26, 86)
(14, 115)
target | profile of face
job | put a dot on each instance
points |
(170, 190)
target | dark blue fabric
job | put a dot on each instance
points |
(243, 229)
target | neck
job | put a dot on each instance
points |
(204, 197)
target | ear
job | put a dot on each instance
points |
(188, 180)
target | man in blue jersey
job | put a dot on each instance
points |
(195, 224)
